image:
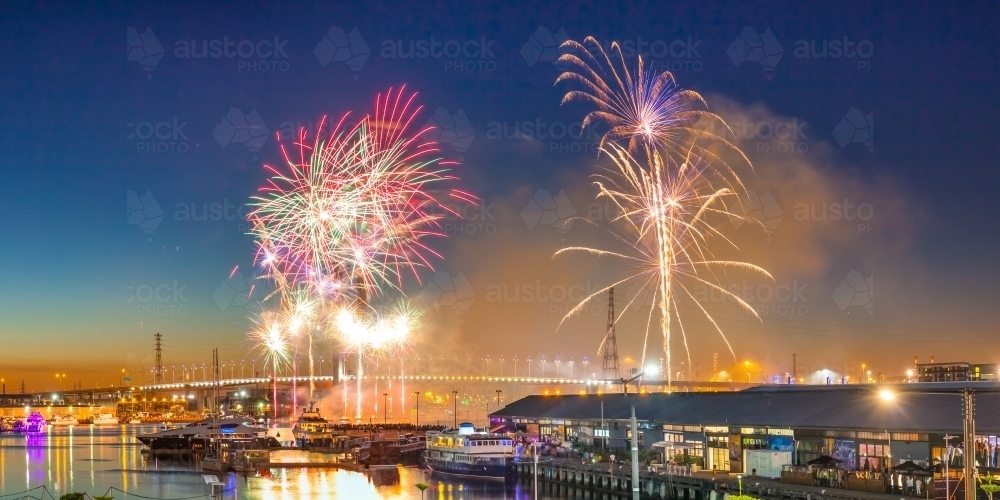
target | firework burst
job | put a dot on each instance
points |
(349, 216)
(646, 109)
(671, 188)
(355, 208)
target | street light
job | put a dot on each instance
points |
(385, 407)
(969, 429)
(498, 397)
(454, 398)
(418, 408)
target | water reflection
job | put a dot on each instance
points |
(94, 459)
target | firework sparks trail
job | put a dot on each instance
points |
(669, 183)
(269, 337)
(356, 206)
(350, 217)
(374, 334)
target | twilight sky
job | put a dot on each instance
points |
(110, 111)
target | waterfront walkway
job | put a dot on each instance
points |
(697, 486)
(755, 486)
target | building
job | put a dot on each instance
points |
(723, 430)
(955, 372)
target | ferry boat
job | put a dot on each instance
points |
(105, 419)
(466, 452)
(62, 421)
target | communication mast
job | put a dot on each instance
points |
(610, 345)
(158, 370)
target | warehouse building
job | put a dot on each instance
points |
(791, 424)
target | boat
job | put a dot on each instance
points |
(105, 419)
(234, 432)
(63, 421)
(312, 430)
(35, 423)
(134, 421)
(467, 452)
(250, 460)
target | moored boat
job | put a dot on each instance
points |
(312, 430)
(233, 432)
(466, 452)
(105, 419)
(63, 420)
(33, 424)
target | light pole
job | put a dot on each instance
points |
(635, 457)
(418, 408)
(498, 397)
(454, 398)
(385, 407)
(968, 427)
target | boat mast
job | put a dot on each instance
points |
(215, 398)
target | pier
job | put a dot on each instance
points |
(558, 477)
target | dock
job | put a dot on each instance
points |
(561, 477)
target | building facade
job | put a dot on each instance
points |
(796, 424)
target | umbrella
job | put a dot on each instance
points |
(824, 460)
(908, 467)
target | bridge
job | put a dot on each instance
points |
(595, 384)
(512, 387)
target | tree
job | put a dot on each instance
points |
(989, 485)
(424, 486)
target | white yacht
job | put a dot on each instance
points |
(231, 432)
(63, 420)
(105, 419)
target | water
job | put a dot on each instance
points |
(93, 459)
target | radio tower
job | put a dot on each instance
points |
(610, 344)
(158, 370)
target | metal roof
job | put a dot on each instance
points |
(848, 407)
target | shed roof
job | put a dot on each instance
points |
(855, 407)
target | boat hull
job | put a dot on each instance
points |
(482, 471)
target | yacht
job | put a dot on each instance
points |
(232, 432)
(311, 429)
(105, 419)
(63, 420)
(33, 424)
(467, 452)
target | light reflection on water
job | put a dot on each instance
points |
(94, 459)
